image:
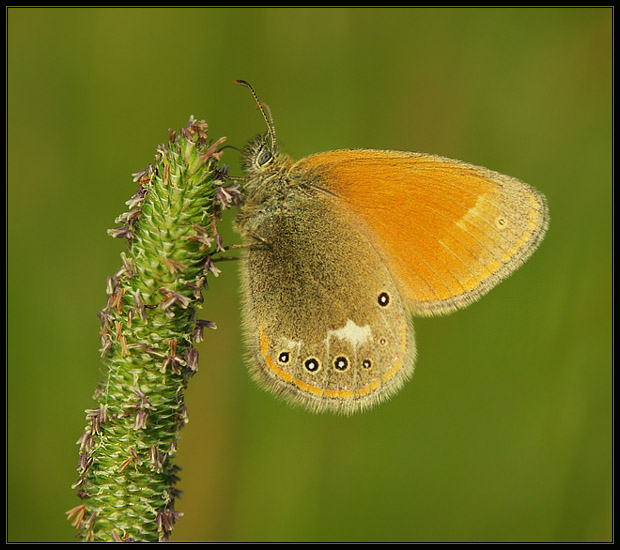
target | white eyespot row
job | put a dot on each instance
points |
(312, 364)
(354, 334)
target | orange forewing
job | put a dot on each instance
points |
(449, 231)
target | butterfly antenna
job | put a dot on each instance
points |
(264, 109)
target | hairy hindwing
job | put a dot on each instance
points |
(325, 322)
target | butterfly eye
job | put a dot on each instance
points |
(263, 158)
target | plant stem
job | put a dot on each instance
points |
(148, 327)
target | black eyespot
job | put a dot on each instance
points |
(384, 299)
(264, 157)
(312, 364)
(341, 363)
(366, 363)
(284, 357)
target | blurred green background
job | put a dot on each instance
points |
(505, 432)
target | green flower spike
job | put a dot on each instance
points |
(148, 327)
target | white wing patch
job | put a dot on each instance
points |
(352, 333)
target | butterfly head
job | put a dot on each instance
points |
(260, 156)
